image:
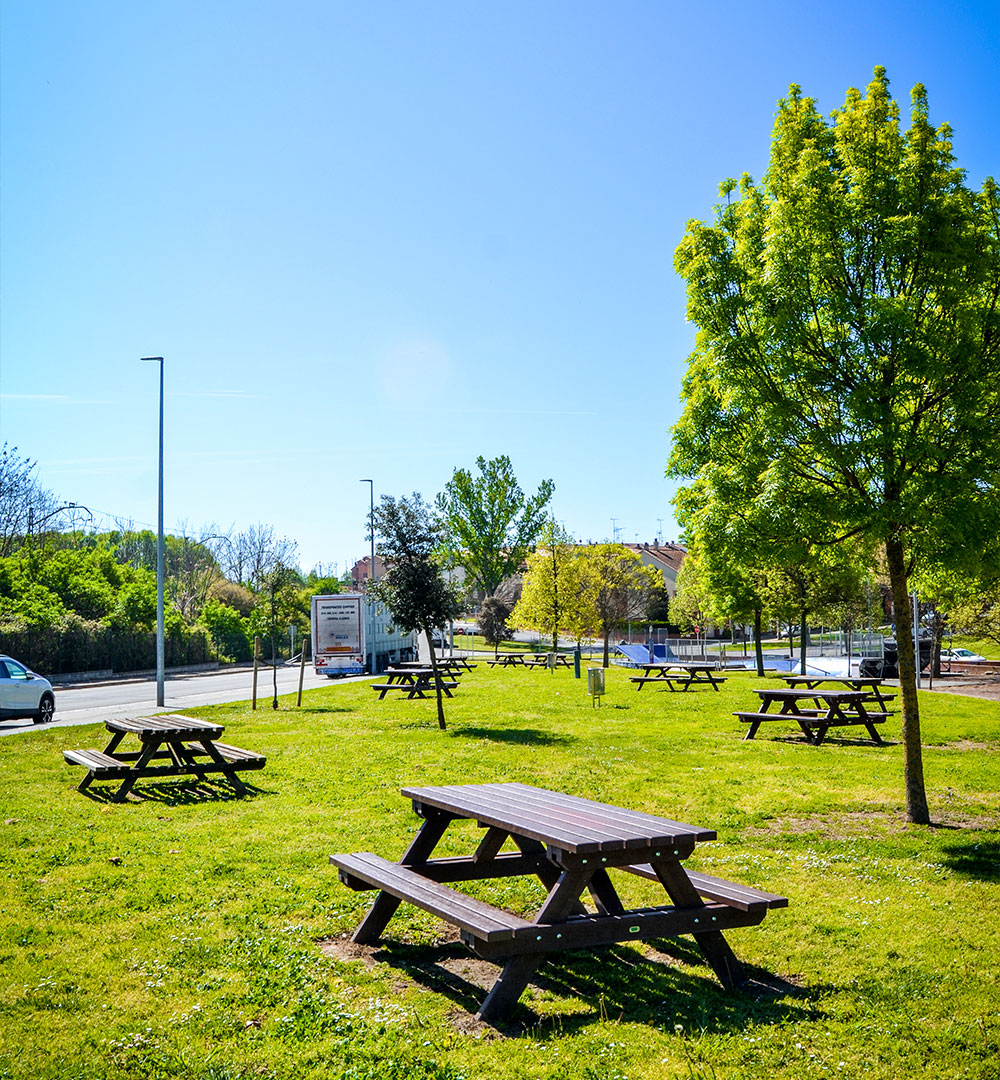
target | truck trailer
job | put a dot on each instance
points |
(342, 627)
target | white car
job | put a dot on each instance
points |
(24, 694)
(960, 654)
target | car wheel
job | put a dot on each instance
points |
(46, 710)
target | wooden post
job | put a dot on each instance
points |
(256, 658)
(302, 673)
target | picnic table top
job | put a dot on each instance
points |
(791, 694)
(815, 680)
(678, 665)
(566, 822)
(442, 661)
(176, 727)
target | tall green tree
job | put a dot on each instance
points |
(413, 589)
(491, 521)
(615, 587)
(492, 621)
(848, 315)
(550, 595)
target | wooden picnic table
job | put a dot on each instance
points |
(830, 708)
(453, 664)
(570, 844)
(508, 659)
(414, 682)
(172, 745)
(684, 675)
(851, 682)
(530, 660)
(559, 659)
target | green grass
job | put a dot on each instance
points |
(175, 936)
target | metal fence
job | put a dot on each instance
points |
(59, 652)
(822, 643)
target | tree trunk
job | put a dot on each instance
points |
(758, 648)
(913, 768)
(803, 639)
(607, 650)
(436, 677)
(274, 674)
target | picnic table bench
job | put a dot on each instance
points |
(851, 682)
(172, 745)
(414, 682)
(830, 708)
(570, 844)
(684, 675)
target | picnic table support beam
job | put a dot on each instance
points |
(148, 750)
(385, 904)
(714, 947)
(563, 897)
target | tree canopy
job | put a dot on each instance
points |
(550, 594)
(845, 374)
(491, 521)
(413, 589)
(615, 587)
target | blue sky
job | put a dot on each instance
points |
(380, 239)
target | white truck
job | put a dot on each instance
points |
(343, 625)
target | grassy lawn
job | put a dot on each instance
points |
(179, 934)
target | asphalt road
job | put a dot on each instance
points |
(90, 703)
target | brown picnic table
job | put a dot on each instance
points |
(453, 664)
(530, 660)
(172, 745)
(571, 844)
(414, 682)
(682, 674)
(829, 708)
(509, 659)
(851, 682)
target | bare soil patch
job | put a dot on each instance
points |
(983, 686)
(866, 823)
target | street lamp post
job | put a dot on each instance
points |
(371, 576)
(159, 552)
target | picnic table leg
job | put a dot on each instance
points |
(225, 767)
(148, 751)
(713, 945)
(548, 875)
(384, 906)
(605, 894)
(788, 709)
(866, 720)
(562, 898)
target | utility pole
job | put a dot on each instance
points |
(370, 621)
(159, 553)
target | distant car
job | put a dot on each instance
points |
(24, 694)
(960, 654)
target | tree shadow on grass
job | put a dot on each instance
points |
(321, 710)
(831, 740)
(658, 988)
(530, 736)
(976, 859)
(176, 793)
